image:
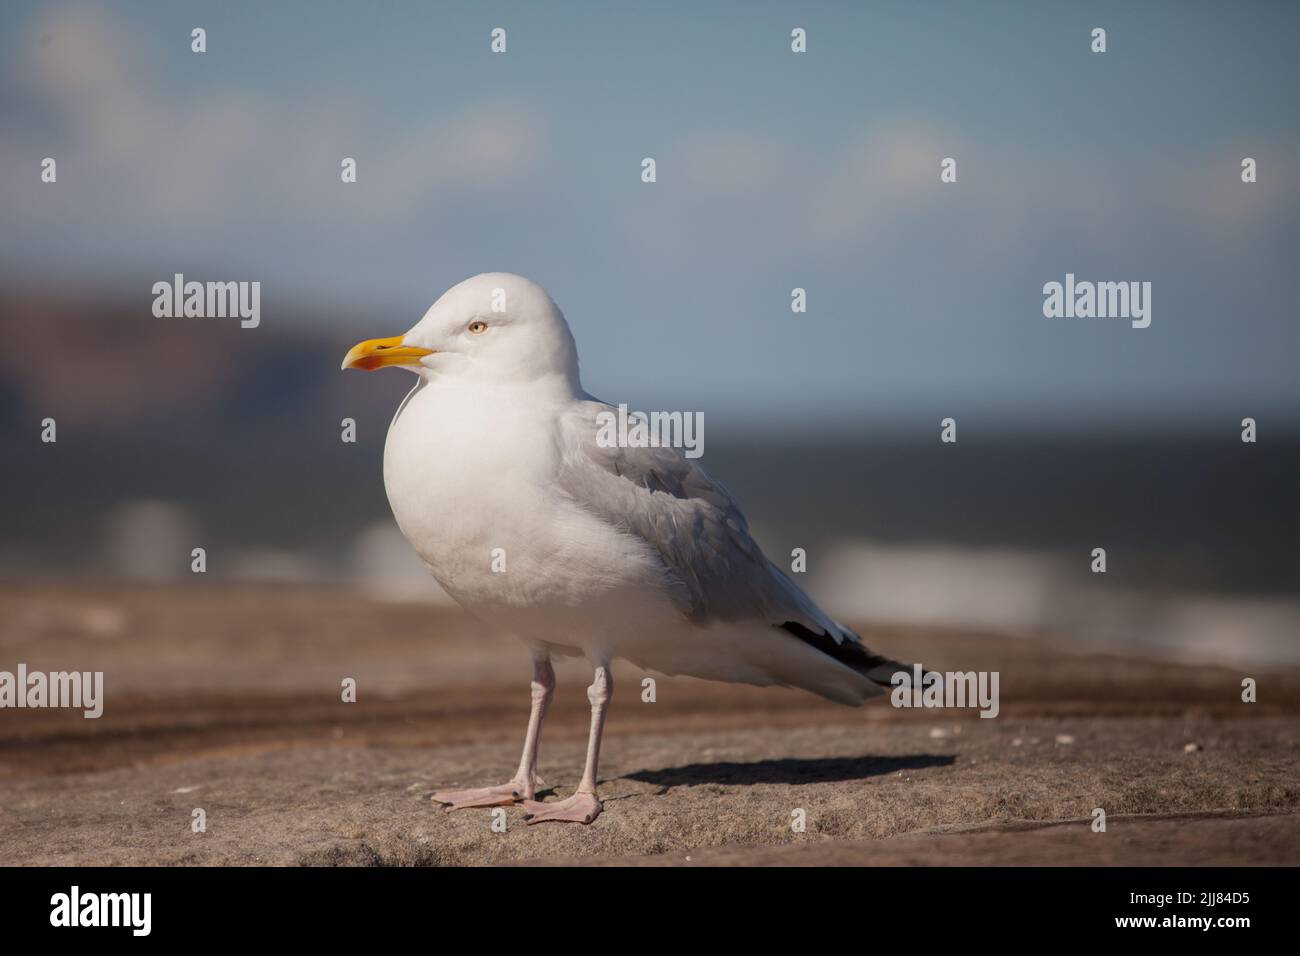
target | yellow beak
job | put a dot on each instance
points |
(378, 353)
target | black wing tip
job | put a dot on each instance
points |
(848, 652)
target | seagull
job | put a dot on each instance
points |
(496, 476)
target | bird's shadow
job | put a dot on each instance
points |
(788, 770)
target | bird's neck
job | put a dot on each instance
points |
(555, 388)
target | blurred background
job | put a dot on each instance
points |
(775, 170)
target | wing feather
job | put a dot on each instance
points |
(690, 520)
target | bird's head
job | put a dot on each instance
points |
(493, 328)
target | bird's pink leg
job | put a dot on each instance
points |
(523, 786)
(583, 806)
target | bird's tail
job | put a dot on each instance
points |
(882, 673)
(885, 674)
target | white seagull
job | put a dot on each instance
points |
(606, 552)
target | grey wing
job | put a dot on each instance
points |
(670, 502)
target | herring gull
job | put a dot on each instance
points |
(497, 479)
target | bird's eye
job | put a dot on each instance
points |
(478, 327)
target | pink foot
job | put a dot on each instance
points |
(501, 796)
(579, 808)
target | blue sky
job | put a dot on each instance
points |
(775, 170)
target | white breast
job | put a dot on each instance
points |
(470, 475)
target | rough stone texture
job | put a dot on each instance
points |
(229, 700)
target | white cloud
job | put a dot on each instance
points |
(163, 155)
(882, 185)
